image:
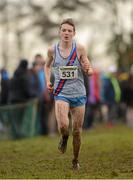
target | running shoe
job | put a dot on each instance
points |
(63, 144)
(75, 164)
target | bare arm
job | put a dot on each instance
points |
(48, 64)
(85, 63)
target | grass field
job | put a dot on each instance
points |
(105, 153)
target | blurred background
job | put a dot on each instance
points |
(104, 26)
(28, 27)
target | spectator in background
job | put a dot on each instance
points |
(4, 96)
(19, 87)
(128, 96)
(45, 100)
(39, 60)
(93, 100)
(33, 81)
(123, 77)
(111, 94)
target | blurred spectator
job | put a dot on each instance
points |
(52, 126)
(19, 89)
(39, 60)
(33, 81)
(128, 96)
(92, 111)
(46, 110)
(111, 94)
(123, 77)
(4, 96)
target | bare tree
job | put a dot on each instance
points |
(22, 17)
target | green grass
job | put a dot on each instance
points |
(105, 153)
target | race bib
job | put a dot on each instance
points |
(68, 72)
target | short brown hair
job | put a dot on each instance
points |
(68, 21)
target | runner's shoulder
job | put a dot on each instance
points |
(51, 50)
(80, 49)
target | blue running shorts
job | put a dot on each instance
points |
(73, 102)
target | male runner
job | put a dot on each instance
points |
(68, 60)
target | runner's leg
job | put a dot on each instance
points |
(77, 122)
(61, 111)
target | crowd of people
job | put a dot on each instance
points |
(109, 95)
(27, 84)
(110, 98)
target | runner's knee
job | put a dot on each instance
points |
(77, 132)
(63, 128)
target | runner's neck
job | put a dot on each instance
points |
(66, 45)
(65, 49)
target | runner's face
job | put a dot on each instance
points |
(66, 32)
